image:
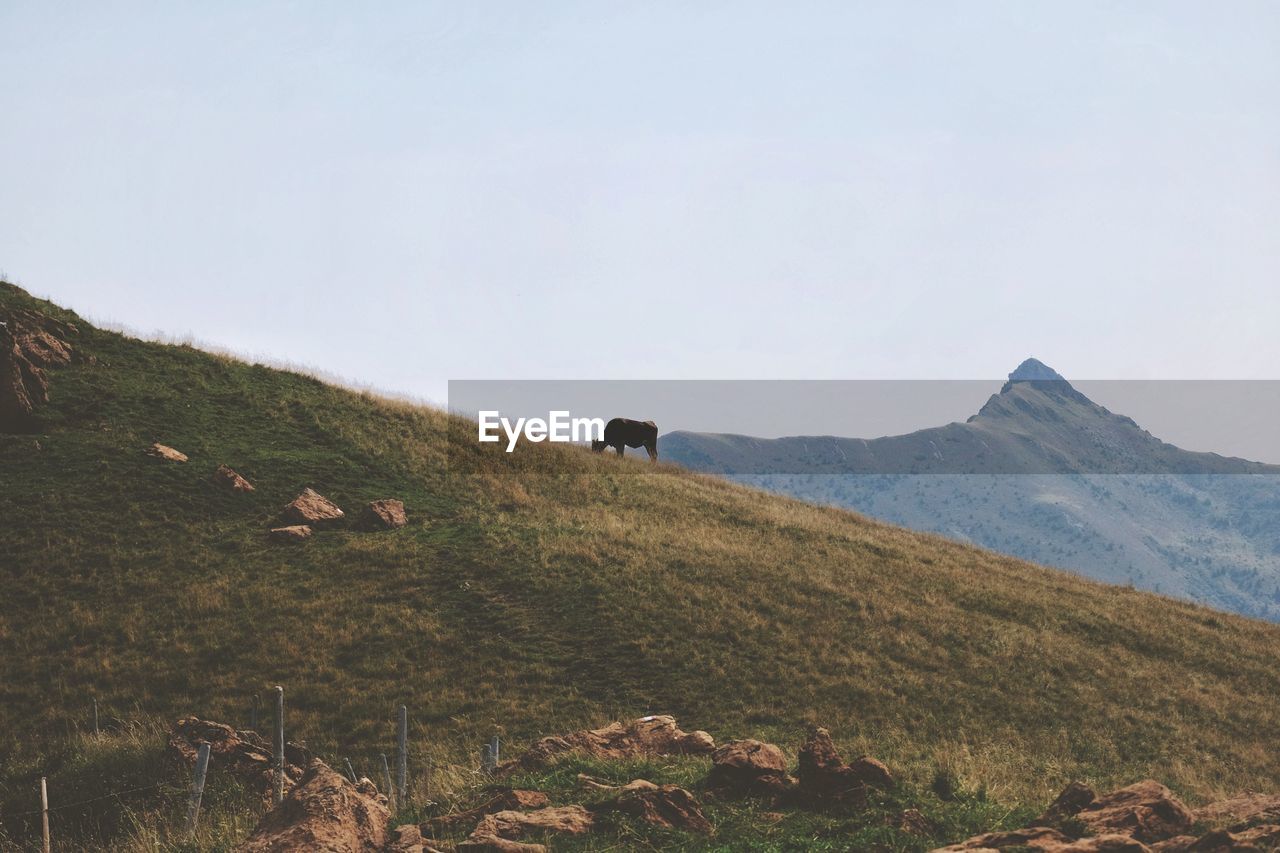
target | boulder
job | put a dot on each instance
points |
(243, 754)
(1044, 839)
(824, 776)
(385, 514)
(500, 800)
(1239, 809)
(409, 839)
(229, 479)
(312, 508)
(1251, 840)
(667, 806)
(749, 767)
(514, 825)
(494, 844)
(29, 343)
(1146, 811)
(646, 736)
(292, 533)
(1075, 797)
(324, 812)
(167, 453)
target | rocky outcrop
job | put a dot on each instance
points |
(312, 508)
(749, 767)
(1251, 840)
(167, 453)
(1075, 797)
(825, 777)
(667, 806)
(386, 514)
(514, 825)
(493, 844)
(30, 342)
(409, 839)
(1146, 811)
(501, 799)
(1046, 840)
(1242, 808)
(323, 812)
(230, 480)
(292, 533)
(243, 754)
(647, 736)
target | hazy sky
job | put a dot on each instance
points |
(405, 194)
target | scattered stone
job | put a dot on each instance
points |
(409, 839)
(323, 812)
(229, 479)
(1146, 811)
(292, 533)
(590, 784)
(647, 736)
(502, 799)
(514, 825)
(164, 451)
(1036, 837)
(493, 844)
(243, 754)
(311, 507)
(749, 767)
(1253, 840)
(824, 776)
(384, 514)
(1075, 797)
(667, 806)
(1242, 808)
(29, 343)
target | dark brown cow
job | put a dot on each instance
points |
(624, 432)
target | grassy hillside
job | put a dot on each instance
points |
(552, 588)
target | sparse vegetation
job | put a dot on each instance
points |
(551, 589)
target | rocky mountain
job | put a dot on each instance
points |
(1050, 476)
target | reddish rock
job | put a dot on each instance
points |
(872, 771)
(243, 754)
(1036, 837)
(503, 799)
(29, 343)
(647, 736)
(292, 533)
(312, 508)
(1241, 808)
(386, 514)
(1075, 797)
(1252, 840)
(323, 812)
(667, 806)
(229, 479)
(493, 844)
(749, 767)
(634, 785)
(167, 453)
(514, 825)
(823, 774)
(1146, 811)
(409, 839)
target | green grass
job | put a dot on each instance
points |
(550, 589)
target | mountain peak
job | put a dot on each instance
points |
(1035, 370)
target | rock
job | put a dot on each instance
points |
(514, 825)
(408, 839)
(1240, 809)
(1251, 840)
(494, 844)
(164, 451)
(1036, 837)
(384, 514)
(749, 767)
(912, 822)
(323, 812)
(1146, 811)
(590, 784)
(667, 806)
(30, 342)
(1075, 797)
(311, 507)
(825, 777)
(647, 736)
(229, 479)
(502, 799)
(292, 533)
(243, 754)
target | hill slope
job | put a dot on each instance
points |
(1050, 476)
(550, 588)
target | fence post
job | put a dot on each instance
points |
(197, 788)
(95, 715)
(493, 746)
(351, 771)
(486, 758)
(44, 812)
(386, 779)
(279, 746)
(253, 713)
(402, 758)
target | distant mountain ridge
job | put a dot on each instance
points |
(1101, 495)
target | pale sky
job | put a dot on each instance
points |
(403, 194)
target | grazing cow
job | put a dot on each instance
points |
(624, 432)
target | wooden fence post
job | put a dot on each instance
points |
(493, 746)
(197, 788)
(95, 715)
(386, 778)
(351, 771)
(44, 812)
(279, 746)
(402, 758)
(253, 713)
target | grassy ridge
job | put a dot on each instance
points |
(551, 588)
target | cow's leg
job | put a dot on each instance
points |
(619, 449)
(653, 452)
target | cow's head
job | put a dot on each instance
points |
(597, 446)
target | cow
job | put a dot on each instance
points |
(624, 432)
